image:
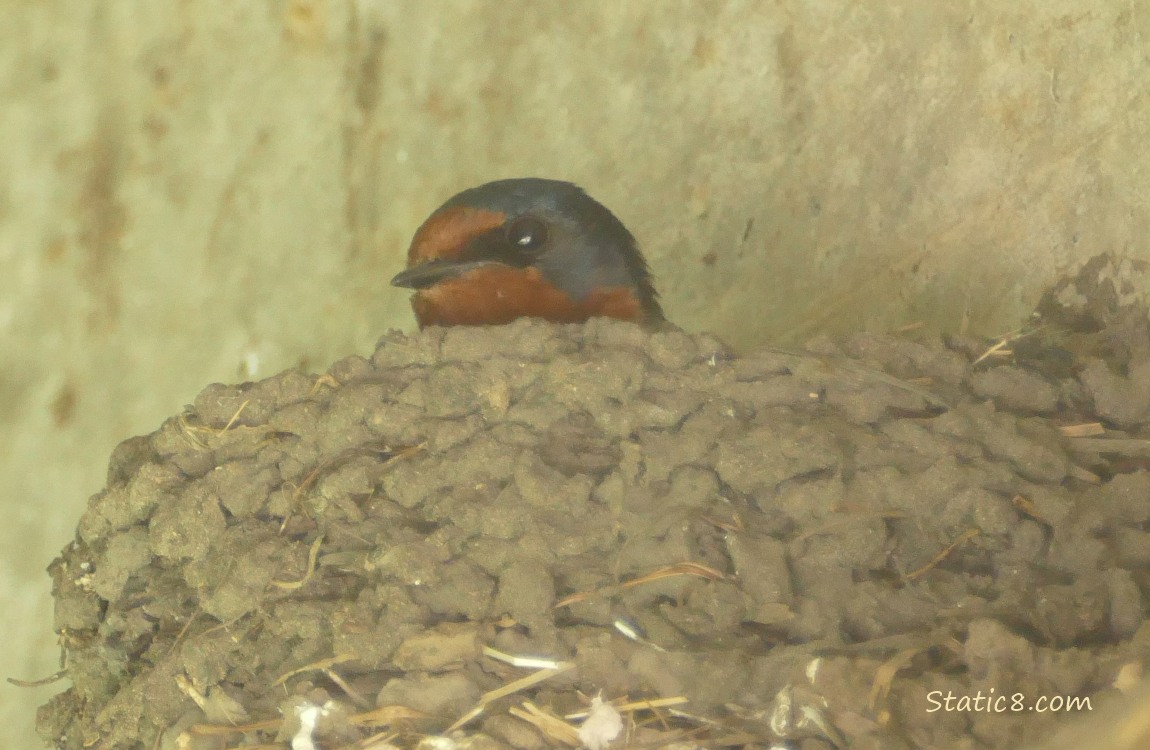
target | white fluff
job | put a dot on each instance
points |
(308, 714)
(603, 724)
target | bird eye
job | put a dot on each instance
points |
(527, 233)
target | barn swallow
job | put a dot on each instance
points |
(526, 248)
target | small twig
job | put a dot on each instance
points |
(1006, 339)
(966, 535)
(998, 349)
(527, 662)
(235, 416)
(1087, 429)
(39, 683)
(525, 682)
(320, 665)
(633, 706)
(251, 726)
(550, 725)
(885, 674)
(184, 630)
(326, 379)
(1121, 446)
(339, 460)
(1026, 506)
(679, 569)
(348, 690)
(386, 716)
(311, 558)
(512, 687)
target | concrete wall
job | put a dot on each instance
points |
(218, 189)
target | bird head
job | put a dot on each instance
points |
(526, 248)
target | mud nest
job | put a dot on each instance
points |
(468, 537)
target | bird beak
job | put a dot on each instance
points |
(434, 271)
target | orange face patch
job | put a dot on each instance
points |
(496, 294)
(446, 233)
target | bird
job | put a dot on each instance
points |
(526, 247)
